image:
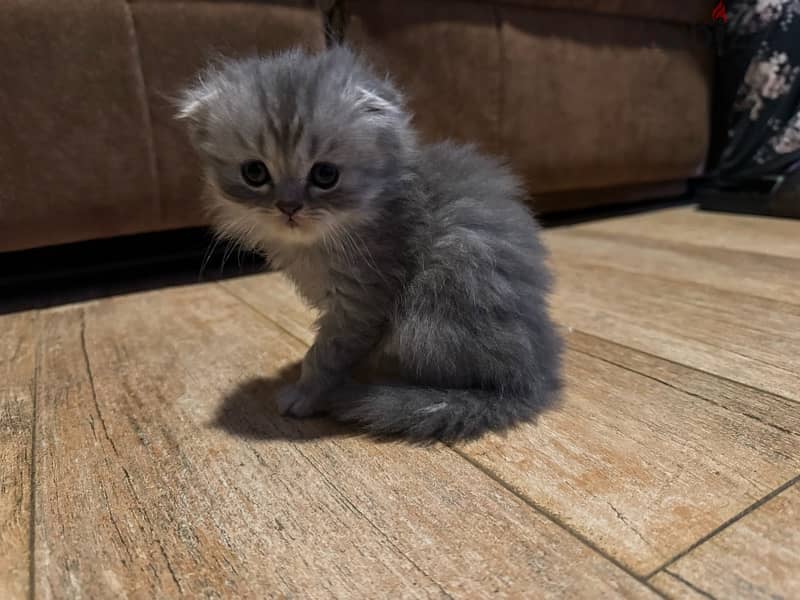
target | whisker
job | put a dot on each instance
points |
(212, 246)
(345, 242)
(228, 251)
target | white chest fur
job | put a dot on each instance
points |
(311, 276)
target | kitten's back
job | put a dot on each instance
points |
(471, 331)
(478, 198)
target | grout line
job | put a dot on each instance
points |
(727, 524)
(261, 314)
(643, 579)
(583, 265)
(672, 362)
(739, 515)
(587, 230)
(696, 395)
(690, 585)
(488, 473)
(554, 519)
(680, 389)
(32, 515)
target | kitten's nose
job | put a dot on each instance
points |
(289, 207)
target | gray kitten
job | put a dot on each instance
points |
(422, 260)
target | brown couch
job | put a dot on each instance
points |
(591, 100)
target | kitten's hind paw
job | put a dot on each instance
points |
(293, 402)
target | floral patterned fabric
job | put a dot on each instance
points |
(757, 133)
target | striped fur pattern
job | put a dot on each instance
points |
(423, 260)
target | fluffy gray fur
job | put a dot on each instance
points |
(422, 260)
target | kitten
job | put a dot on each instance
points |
(422, 260)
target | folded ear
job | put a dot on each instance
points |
(373, 102)
(192, 106)
(192, 102)
(380, 102)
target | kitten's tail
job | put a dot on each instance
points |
(427, 414)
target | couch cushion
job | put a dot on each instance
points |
(574, 100)
(75, 155)
(593, 101)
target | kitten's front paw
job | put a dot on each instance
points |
(292, 401)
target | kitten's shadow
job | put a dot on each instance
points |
(250, 411)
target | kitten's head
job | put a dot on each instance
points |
(296, 146)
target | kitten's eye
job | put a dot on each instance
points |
(324, 175)
(255, 173)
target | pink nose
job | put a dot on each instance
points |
(288, 207)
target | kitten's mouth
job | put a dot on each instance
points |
(295, 226)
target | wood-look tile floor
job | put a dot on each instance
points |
(141, 457)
